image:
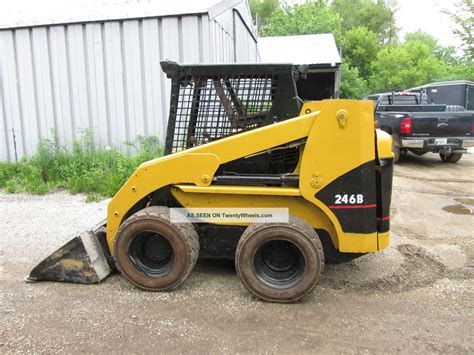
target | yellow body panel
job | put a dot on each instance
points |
(384, 144)
(383, 240)
(327, 156)
(339, 137)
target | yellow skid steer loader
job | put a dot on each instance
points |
(242, 136)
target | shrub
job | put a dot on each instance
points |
(84, 168)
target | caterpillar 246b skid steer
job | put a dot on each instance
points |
(244, 136)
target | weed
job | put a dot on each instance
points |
(82, 168)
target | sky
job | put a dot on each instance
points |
(426, 15)
(412, 15)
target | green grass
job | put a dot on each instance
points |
(81, 168)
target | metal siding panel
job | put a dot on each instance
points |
(99, 101)
(222, 45)
(157, 117)
(215, 41)
(27, 82)
(170, 38)
(19, 147)
(212, 36)
(240, 41)
(219, 44)
(78, 78)
(132, 68)
(61, 83)
(164, 82)
(206, 39)
(12, 107)
(118, 129)
(7, 146)
(170, 50)
(143, 80)
(191, 41)
(4, 146)
(43, 82)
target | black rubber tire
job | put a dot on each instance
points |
(310, 259)
(450, 158)
(181, 240)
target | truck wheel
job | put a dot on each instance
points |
(450, 157)
(280, 262)
(153, 253)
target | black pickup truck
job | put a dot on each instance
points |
(419, 127)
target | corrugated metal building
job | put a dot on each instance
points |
(98, 66)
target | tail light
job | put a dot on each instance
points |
(406, 126)
(472, 126)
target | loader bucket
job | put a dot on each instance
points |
(81, 260)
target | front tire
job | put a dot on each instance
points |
(450, 157)
(280, 262)
(153, 253)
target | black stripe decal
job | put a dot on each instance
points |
(352, 198)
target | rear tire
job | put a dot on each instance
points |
(153, 253)
(280, 262)
(450, 158)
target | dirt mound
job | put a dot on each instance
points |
(418, 269)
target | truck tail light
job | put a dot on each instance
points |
(406, 126)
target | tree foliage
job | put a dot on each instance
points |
(463, 17)
(262, 10)
(377, 16)
(374, 58)
(359, 47)
(300, 19)
(404, 66)
(352, 85)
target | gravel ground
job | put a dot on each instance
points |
(416, 296)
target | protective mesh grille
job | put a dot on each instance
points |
(210, 108)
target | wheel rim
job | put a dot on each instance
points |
(279, 263)
(152, 254)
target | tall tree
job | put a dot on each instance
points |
(360, 48)
(378, 16)
(308, 18)
(463, 17)
(403, 66)
(446, 54)
(262, 10)
(352, 85)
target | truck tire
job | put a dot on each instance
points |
(280, 262)
(153, 253)
(450, 158)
